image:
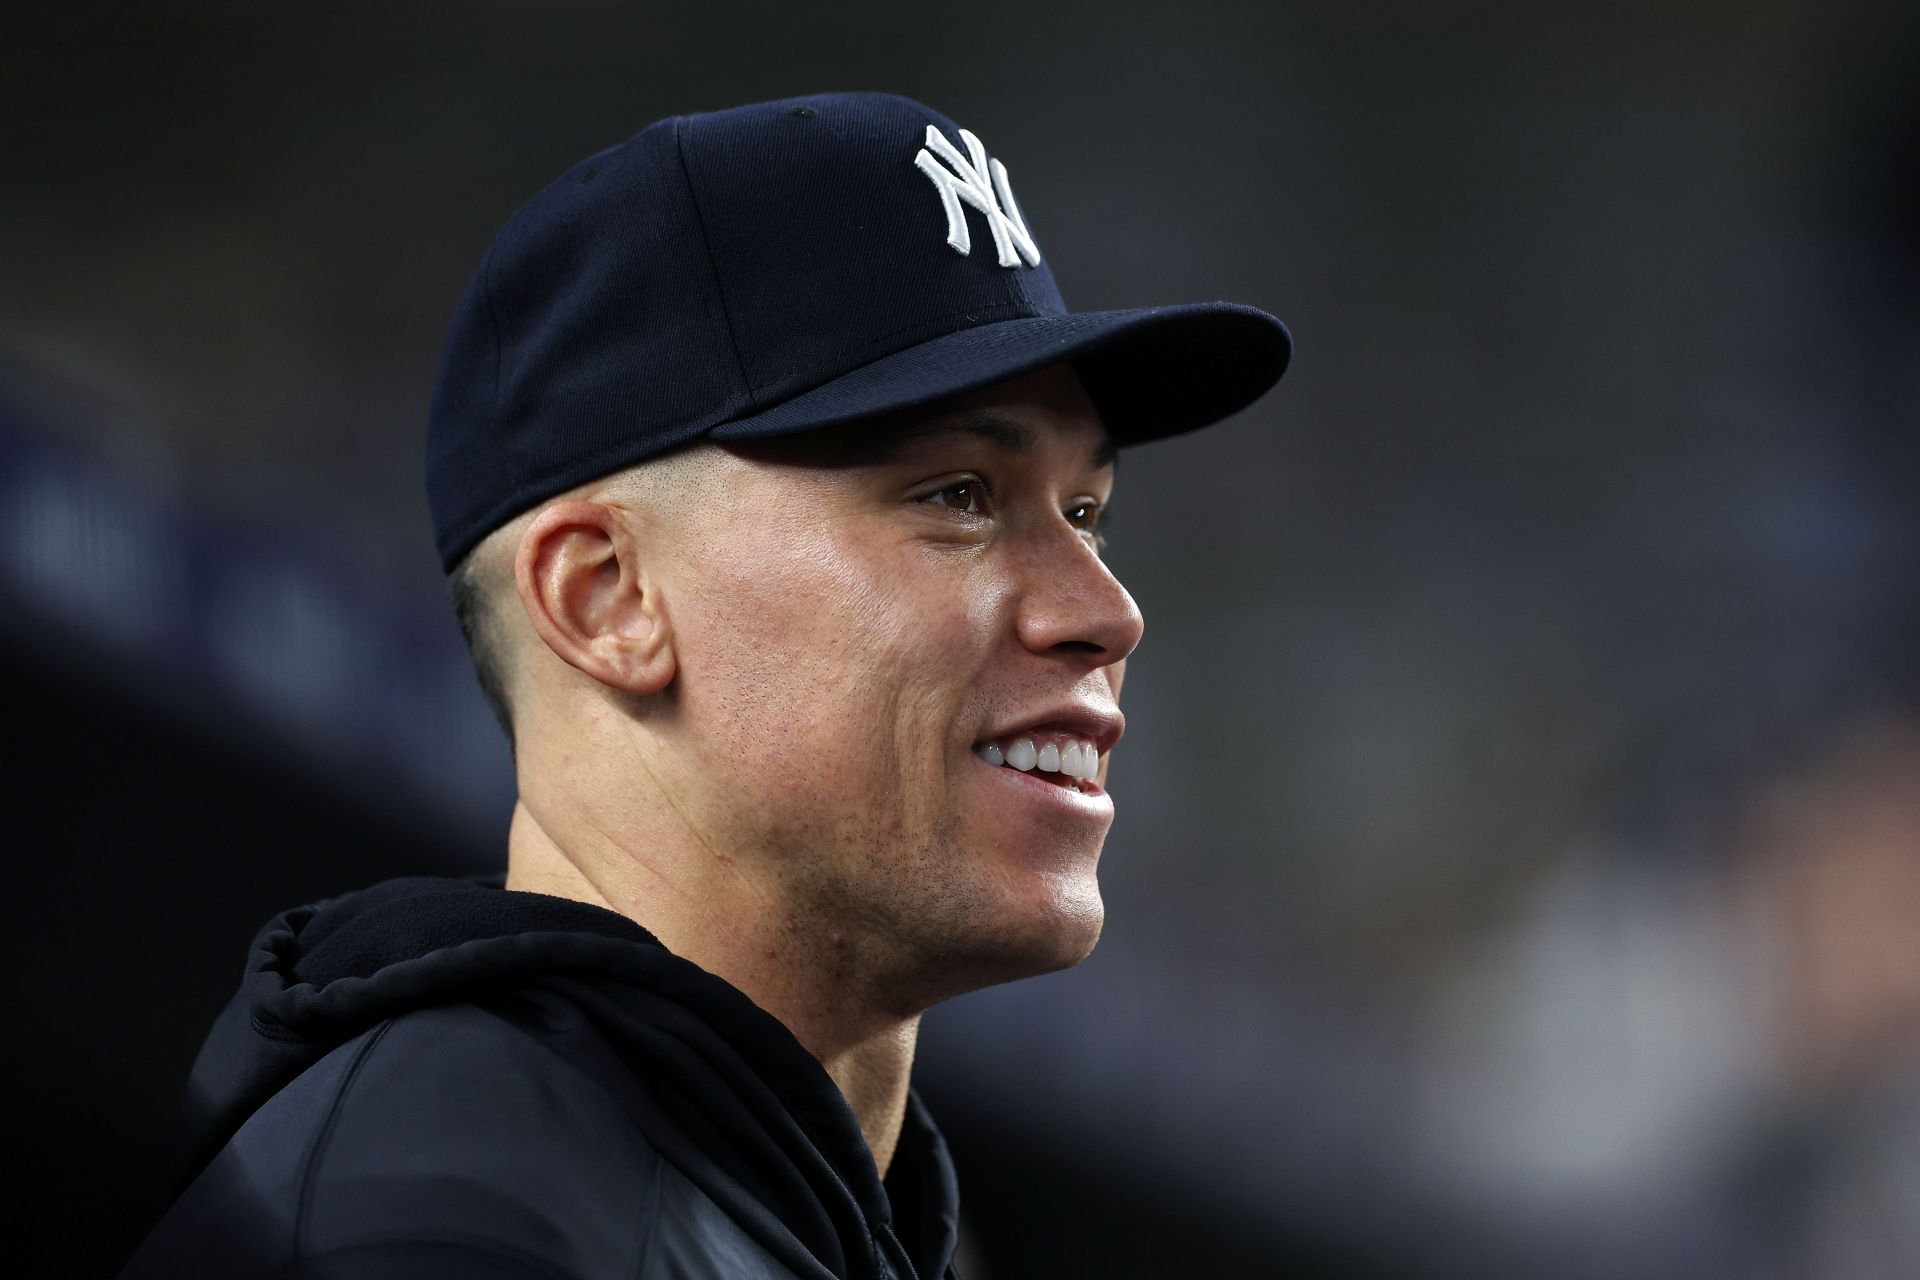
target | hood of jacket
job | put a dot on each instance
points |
(755, 1117)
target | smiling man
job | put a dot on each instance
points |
(769, 468)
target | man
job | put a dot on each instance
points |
(769, 468)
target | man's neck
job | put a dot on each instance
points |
(809, 984)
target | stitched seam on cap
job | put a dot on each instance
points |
(681, 127)
(1019, 283)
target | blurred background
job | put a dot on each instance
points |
(1518, 862)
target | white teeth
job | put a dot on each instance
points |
(1078, 760)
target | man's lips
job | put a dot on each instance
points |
(1080, 795)
(1086, 722)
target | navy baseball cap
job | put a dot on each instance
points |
(778, 268)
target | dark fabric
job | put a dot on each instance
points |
(541, 1088)
(768, 269)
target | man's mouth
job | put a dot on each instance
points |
(1059, 758)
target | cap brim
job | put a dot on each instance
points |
(1150, 372)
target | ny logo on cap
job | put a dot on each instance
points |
(968, 181)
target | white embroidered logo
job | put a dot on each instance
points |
(969, 182)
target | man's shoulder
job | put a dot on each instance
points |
(454, 1116)
(461, 1072)
(444, 1128)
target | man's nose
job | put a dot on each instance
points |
(1072, 603)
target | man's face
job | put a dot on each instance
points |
(858, 614)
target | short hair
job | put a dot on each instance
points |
(482, 586)
(475, 606)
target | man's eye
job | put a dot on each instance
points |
(969, 497)
(1090, 517)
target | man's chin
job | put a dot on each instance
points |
(1075, 933)
(1055, 940)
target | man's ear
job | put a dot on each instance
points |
(580, 580)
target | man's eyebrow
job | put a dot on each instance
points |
(1010, 434)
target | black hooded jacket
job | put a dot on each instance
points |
(442, 1077)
